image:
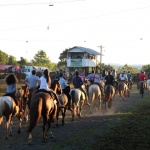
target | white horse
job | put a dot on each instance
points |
(78, 99)
(148, 85)
(123, 91)
(95, 96)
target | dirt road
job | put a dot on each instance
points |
(76, 135)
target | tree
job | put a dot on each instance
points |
(63, 59)
(41, 59)
(146, 68)
(3, 58)
(23, 61)
(128, 68)
(12, 60)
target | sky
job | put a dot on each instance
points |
(122, 27)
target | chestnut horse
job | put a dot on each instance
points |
(43, 104)
(25, 94)
(7, 110)
(109, 91)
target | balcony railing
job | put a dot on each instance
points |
(81, 62)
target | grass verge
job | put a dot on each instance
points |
(131, 132)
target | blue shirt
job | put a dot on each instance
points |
(62, 82)
(11, 88)
(90, 76)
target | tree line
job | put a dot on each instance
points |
(41, 59)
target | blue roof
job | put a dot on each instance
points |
(88, 50)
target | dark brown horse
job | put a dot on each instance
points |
(109, 95)
(25, 95)
(43, 105)
(141, 88)
(7, 110)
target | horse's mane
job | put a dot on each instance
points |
(53, 84)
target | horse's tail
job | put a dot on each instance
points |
(35, 114)
(142, 87)
(108, 93)
(1, 110)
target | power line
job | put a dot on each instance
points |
(47, 3)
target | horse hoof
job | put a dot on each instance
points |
(6, 138)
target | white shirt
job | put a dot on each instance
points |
(44, 84)
(123, 77)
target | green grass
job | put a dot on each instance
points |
(131, 132)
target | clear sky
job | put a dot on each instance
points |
(122, 27)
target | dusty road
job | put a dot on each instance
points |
(76, 135)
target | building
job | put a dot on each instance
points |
(81, 59)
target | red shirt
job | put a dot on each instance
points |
(142, 77)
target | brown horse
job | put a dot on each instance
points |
(109, 91)
(7, 110)
(43, 105)
(25, 94)
(63, 99)
(141, 88)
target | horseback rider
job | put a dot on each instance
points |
(123, 77)
(65, 89)
(109, 79)
(11, 81)
(33, 84)
(77, 82)
(129, 76)
(45, 84)
(95, 79)
(142, 77)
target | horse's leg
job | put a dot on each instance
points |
(8, 120)
(100, 102)
(74, 111)
(20, 123)
(57, 116)
(63, 116)
(10, 127)
(45, 120)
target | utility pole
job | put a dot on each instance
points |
(101, 50)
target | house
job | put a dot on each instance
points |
(82, 59)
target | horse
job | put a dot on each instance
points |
(123, 90)
(43, 104)
(109, 91)
(95, 96)
(130, 83)
(148, 85)
(25, 94)
(141, 88)
(78, 99)
(7, 110)
(63, 99)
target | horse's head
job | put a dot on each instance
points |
(19, 93)
(56, 86)
(25, 91)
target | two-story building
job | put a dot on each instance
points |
(81, 58)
